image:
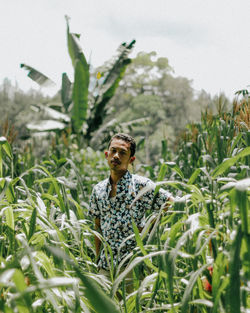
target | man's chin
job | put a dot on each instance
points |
(117, 168)
(115, 165)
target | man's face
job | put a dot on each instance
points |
(118, 155)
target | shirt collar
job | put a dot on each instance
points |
(125, 180)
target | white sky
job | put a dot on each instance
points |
(205, 41)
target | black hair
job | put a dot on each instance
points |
(127, 138)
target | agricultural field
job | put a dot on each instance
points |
(193, 258)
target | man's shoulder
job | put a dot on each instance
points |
(141, 180)
(101, 185)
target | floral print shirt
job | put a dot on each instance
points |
(116, 214)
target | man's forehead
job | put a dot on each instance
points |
(119, 143)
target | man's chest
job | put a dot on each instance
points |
(122, 209)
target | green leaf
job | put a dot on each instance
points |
(205, 302)
(9, 217)
(8, 309)
(32, 223)
(164, 149)
(80, 96)
(45, 262)
(55, 184)
(66, 94)
(194, 176)
(74, 47)
(23, 308)
(38, 77)
(230, 162)
(147, 259)
(118, 68)
(7, 149)
(97, 298)
(44, 126)
(19, 281)
(81, 80)
(243, 204)
(4, 145)
(219, 279)
(1, 162)
(49, 112)
(6, 276)
(234, 272)
(161, 175)
(189, 288)
(108, 88)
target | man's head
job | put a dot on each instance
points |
(121, 152)
(126, 138)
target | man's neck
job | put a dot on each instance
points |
(116, 176)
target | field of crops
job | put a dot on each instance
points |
(194, 258)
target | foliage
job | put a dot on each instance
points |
(151, 90)
(15, 110)
(83, 105)
(194, 258)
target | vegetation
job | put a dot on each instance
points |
(193, 258)
(83, 103)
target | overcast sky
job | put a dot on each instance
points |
(206, 41)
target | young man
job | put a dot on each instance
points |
(111, 201)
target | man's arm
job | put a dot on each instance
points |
(94, 213)
(168, 203)
(162, 199)
(97, 240)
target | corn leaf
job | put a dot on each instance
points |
(97, 298)
(234, 272)
(224, 166)
(9, 217)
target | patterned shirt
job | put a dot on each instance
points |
(116, 213)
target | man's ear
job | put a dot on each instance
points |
(132, 159)
(106, 154)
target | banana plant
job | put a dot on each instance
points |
(82, 106)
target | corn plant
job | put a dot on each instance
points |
(192, 258)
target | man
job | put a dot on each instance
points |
(111, 202)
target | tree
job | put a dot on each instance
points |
(87, 111)
(15, 110)
(150, 89)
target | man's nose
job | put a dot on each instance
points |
(116, 155)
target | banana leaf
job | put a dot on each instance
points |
(66, 92)
(41, 79)
(80, 97)
(51, 113)
(81, 81)
(46, 125)
(108, 88)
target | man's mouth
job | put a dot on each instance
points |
(115, 162)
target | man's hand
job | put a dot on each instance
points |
(97, 240)
(168, 203)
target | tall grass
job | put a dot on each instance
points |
(193, 258)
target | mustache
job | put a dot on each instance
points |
(115, 161)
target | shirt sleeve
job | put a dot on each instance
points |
(94, 211)
(161, 198)
(152, 201)
(156, 201)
